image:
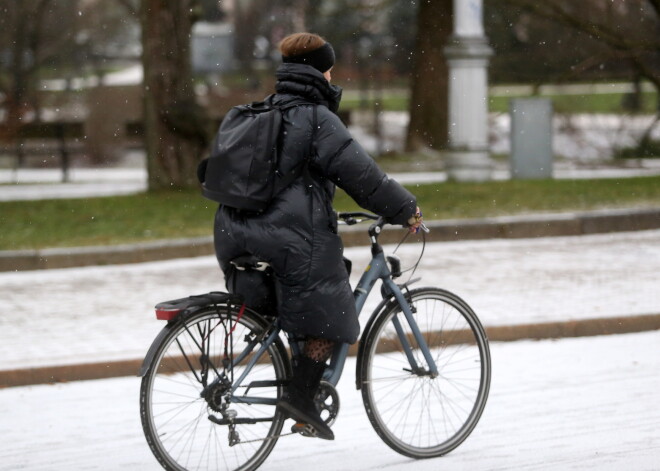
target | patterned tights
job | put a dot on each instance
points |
(318, 349)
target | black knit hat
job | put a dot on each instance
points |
(322, 58)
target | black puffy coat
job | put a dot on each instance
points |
(297, 234)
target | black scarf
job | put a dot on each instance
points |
(305, 81)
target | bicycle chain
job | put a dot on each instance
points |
(276, 437)
(305, 431)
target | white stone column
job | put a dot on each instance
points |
(468, 53)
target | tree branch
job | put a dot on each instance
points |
(599, 31)
(632, 49)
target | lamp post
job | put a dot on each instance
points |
(468, 54)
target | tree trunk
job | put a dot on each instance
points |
(429, 95)
(246, 18)
(18, 88)
(174, 126)
(24, 26)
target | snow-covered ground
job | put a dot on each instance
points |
(89, 314)
(579, 138)
(36, 184)
(571, 404)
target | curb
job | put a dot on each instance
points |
(21, 260)
(510, 227)
(550, 330)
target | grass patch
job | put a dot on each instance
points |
(454, 200)
(161, 215)
(108, 220)
(593, 103)
(397, 102)
(589, 103)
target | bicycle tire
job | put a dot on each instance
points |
(175, 417)
(417, 415)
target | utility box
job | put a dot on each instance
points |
(531, 138)
(212, 47)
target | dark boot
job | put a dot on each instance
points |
(298, 399)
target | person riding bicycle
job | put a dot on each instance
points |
(297, 234)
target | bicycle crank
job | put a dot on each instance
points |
(327, 403)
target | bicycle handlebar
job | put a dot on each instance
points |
(353, 217)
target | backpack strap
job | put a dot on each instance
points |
(307, 177)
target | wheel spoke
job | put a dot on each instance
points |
(416, 414)
(175, 412)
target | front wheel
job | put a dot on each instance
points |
(416, 413)
(193, 414)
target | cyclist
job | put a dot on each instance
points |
(297, 234)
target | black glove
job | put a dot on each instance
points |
(201, 170)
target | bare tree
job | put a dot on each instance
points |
(27, 29)
(175, 126)
(630, 29)
(429, 95)
(247, 18)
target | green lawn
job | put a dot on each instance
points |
(395, 102)
(591, 103)
(596, 103)
(109, 220)
(160, 215)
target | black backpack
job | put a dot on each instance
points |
(241, 171)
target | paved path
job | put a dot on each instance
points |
(571, 404)
(36, 184)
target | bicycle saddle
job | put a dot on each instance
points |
(249, 262)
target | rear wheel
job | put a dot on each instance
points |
(415, 413)
(191, 418)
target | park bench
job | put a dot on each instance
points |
(48, 140)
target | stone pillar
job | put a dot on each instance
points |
(468, 53)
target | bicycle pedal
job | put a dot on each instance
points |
(305, 430)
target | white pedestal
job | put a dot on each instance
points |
(467, 56)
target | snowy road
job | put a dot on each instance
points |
(571, 404)
(64, 316)
(587, 403)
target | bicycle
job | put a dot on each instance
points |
(213, 375)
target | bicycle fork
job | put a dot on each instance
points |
(417, 334)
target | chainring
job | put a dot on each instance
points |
(327, 402)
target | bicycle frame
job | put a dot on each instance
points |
(377, 268)
(232, 361)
